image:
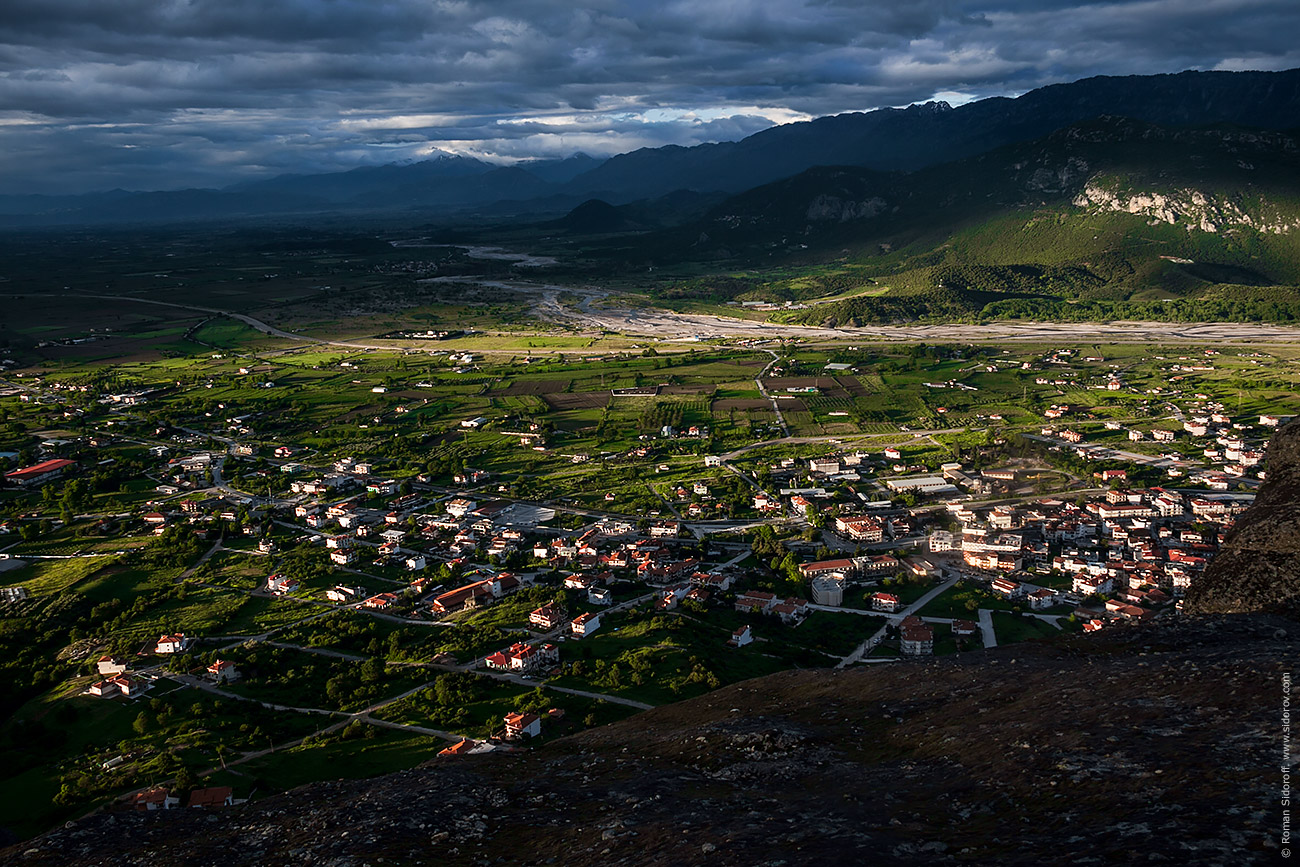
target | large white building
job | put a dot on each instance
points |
(930, 485)
(828, 590)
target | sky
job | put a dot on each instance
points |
(164, 94)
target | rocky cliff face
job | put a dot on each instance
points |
(1259, 568)
(1192, 208)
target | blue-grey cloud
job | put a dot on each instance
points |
(166, 93)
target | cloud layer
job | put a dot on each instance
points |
(155, 94)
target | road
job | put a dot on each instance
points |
(762, 389)
(602, 697)
(319, 651)
(1149, 460)
(899, 437)
(199, 563)
(875, 638)
(986, 628)
(247, 320)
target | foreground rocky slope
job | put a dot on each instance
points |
(1259, 569)
(1156, 744)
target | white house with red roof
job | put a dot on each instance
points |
(824, 567)
(548, 616)
(223, 671)
(102, 688)
(867, 530)
(885, 602)
(1006, 588)
(157, 798)
(523, 658)
(214, 796)
(381, 601)
(801, 505)
(522, 725)
(129, 686)
(791, 610)
(578, 581)
(916, 637)
(282, 585)
(177, 643)
(741, 637)
(1043, 597)
(111, 665)
(462, 747)
(759, 601)
(585, 624)
(964, 629)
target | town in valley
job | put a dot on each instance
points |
(239, 558)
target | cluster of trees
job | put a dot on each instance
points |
(357, 634)
(29, 647)
(205, 723)
(712, 288)
(644, 665)
(448, 702)
(658, 414)
(175, 548)
(785, 578)
(305, 563)
(291, 676)
(1063, 293)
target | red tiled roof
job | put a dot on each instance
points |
(213, 797)
(39, 469)
(917, 632)
(152, 796)
(459, 748)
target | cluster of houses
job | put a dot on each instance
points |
(116, 679)
(521, 658)
(1142, 547)
(161, 798)
(791, 610)
(1228, 452)
(1121, 555)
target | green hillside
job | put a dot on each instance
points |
(1108, 219)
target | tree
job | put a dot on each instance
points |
(372, 670)
(185, 780)
(143, 724)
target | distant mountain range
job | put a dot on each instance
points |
(1106, 218)
(1213, 179)
(884, 140)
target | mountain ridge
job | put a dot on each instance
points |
(884, 139)
(917, 136)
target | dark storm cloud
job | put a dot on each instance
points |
(162, 93)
